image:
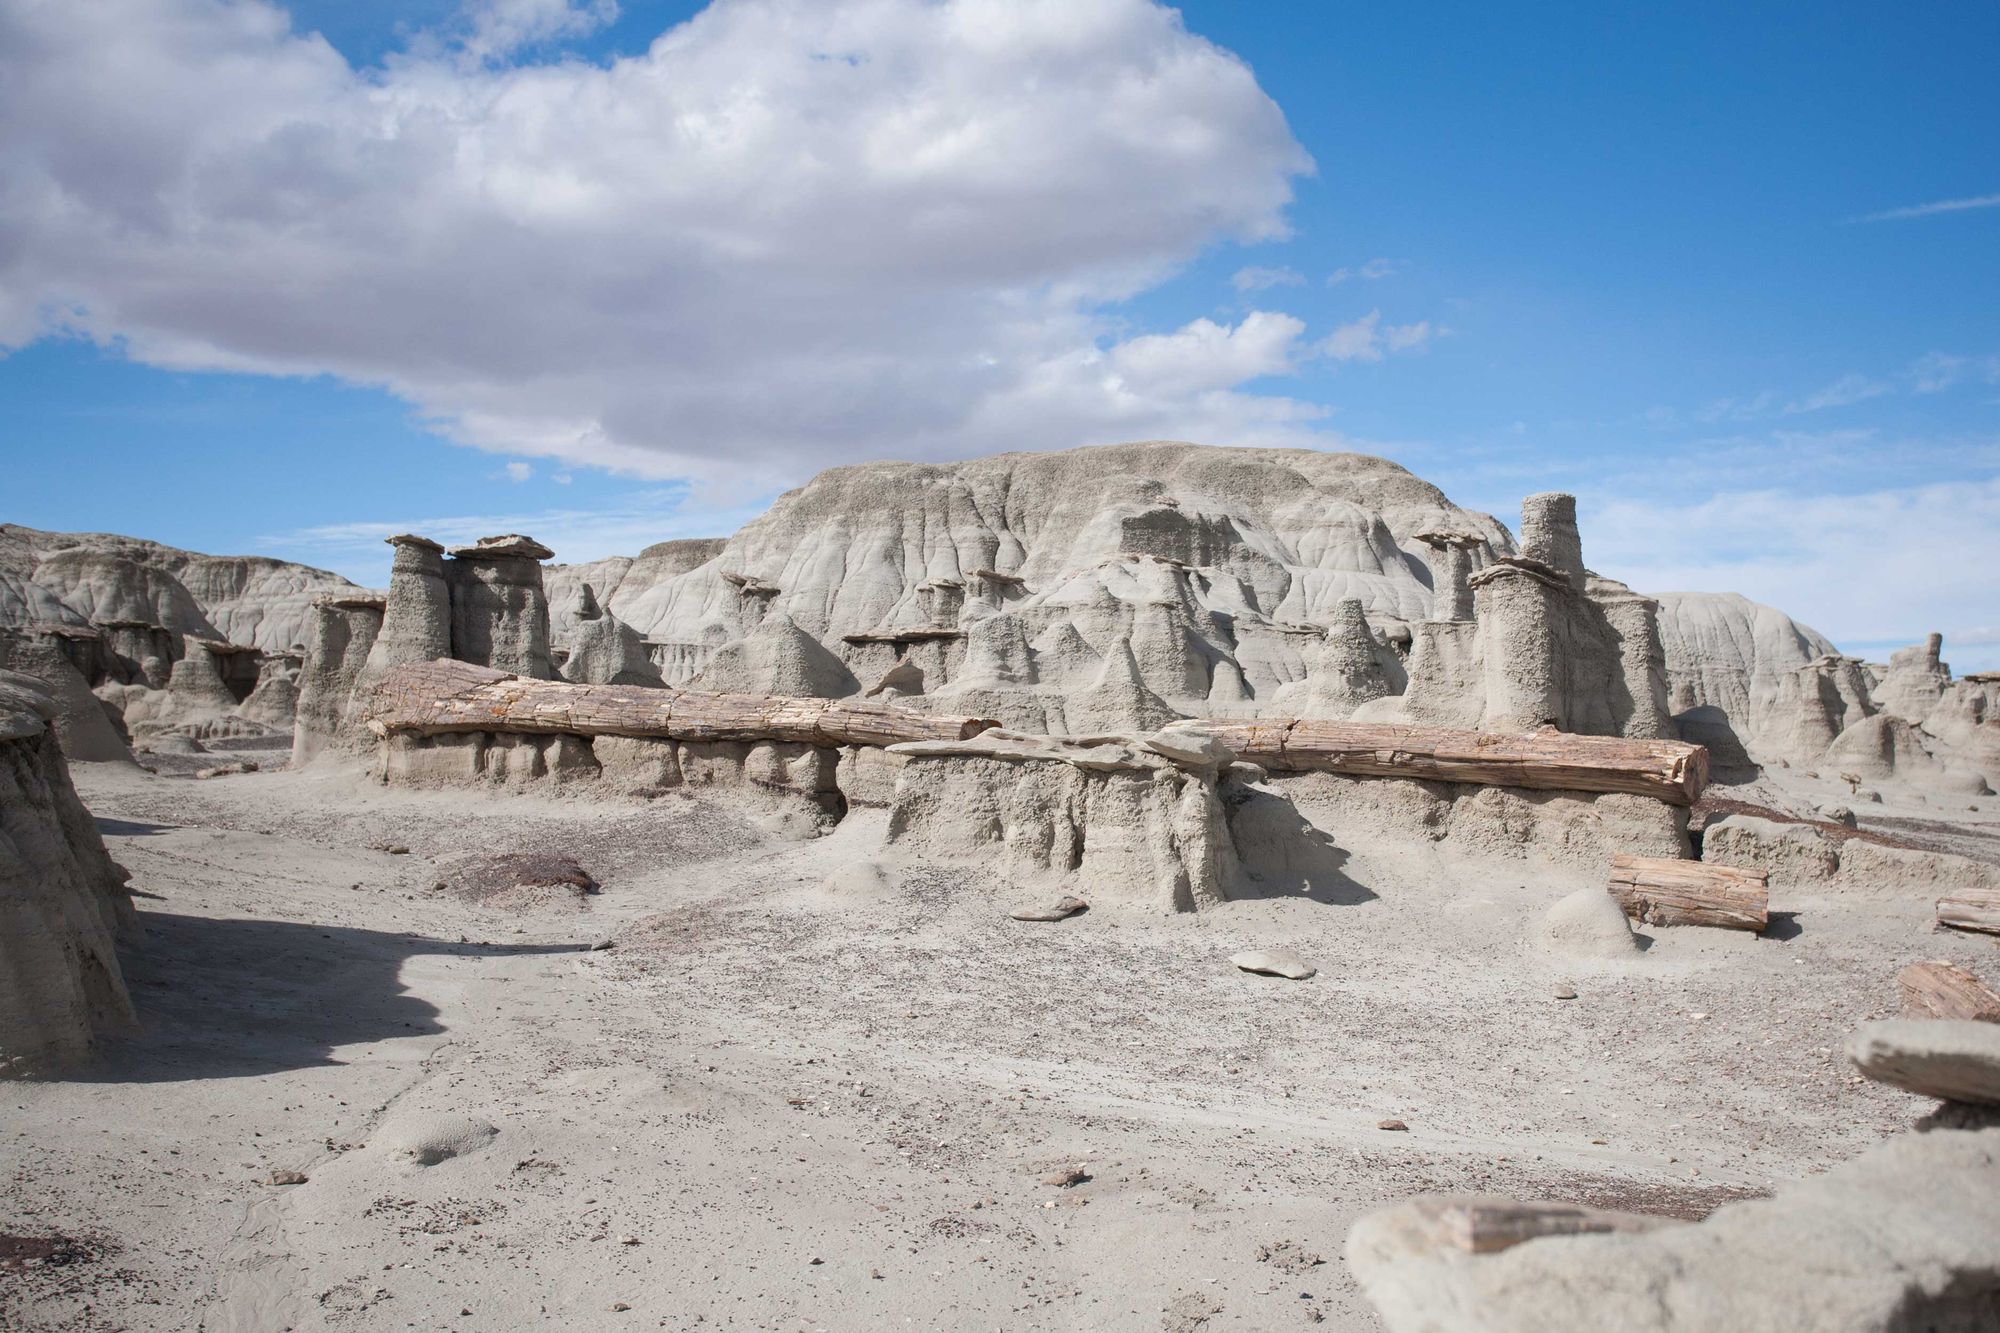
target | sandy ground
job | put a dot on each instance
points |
(770, 1107)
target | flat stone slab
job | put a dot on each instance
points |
(1061, 909)
(1274, 963)
(1955, 1059)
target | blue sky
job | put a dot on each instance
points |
(1638, 253)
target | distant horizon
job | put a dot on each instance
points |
(279, 277)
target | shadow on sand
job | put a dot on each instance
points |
(1285, 856)
(235, 997)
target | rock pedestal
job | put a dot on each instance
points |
(416, 621)
(499, 611)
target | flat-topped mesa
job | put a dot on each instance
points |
(1450, 560)
(499, 608)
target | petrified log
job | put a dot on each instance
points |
(1669, 771)
(1971, 909)
(433, 698)
(1660, 891)
(1945, 990)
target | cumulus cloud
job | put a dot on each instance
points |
(1368, 339)
(1865, 568)
(1370, 271)
(789, 233)
(635, 520)
(1843, 392)
(1256, 279)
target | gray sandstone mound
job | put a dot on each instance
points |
(1118, 700)
(1915, 681)
(1888, 748)
(622, 579)
(99, 578)
(1350, 668)
(62, 898)
(778, 657)
(1197, 555)
(598, 648)
(1136, 824)
(1588, 924)
(83, 724)
(431, 1138)
(1827, 853)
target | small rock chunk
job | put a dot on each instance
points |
(1059, 910)
(1274, 963)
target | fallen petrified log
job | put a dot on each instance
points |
(1663, 892)
(1971, 909)
(1945, 990)
(1487, 1224)
(1550, 760)
(445, 697)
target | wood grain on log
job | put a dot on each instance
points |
(1945, 990)
(432, 698)
(1668, 771)
(1971, 909)
(1483, 1224)
(1660, 891)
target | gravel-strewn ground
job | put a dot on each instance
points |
(768, 1108)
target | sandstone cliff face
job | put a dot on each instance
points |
(62, 898)
(848, 551)
(1217, 567)
(100, 578)
(129, 613)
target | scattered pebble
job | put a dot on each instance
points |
(1067, 1178)
(1565, 992)
(287, 1177)
(1391, 1124)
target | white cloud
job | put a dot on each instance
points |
(791, 232)
(1867, 568)
(636, 520)
(1931, 209)
(518, 471)
(1934, 372)
(1370, 271)
(1255, 279)
(503, 26)
(1205, 355)
(1368, 339)
(1843, 392)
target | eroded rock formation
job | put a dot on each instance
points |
(62, 898)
